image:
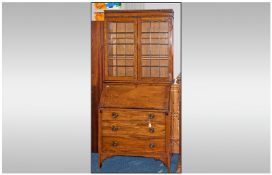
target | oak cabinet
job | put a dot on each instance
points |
(134, 109)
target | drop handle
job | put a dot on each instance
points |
(114, 143)
(151, 130)
(151, 145)
(151, 116)
(114, 128)
(114, 115)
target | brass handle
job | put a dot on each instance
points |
(114, 115)
(114, 128)
(151, 116)
(114, 143)
(151, 130)
(151, 145)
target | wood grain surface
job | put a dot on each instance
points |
(132, 145)
(132, 114)
(135, 116)
(96, 77)
(134, 129)
(135, 96)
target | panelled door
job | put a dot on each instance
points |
(138, 49)
(155, 49)
(121, 49)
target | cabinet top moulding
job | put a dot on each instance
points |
(139, 13)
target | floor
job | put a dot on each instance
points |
(127, 164)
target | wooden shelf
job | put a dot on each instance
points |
(153, 32)
(119, 66)
(121, 43)
(154, 66)
(120, 59)
(153, 44)
(153, 59)
(158, 56)
(121, 38)
(119, 55)
(154, 38)
(121, 32)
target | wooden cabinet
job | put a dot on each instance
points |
(134, 109)
(138, 46)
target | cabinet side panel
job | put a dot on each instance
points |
(97, 78)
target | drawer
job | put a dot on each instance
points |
(118, 115)
(120, 144)
(133, 128)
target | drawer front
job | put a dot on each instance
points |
(120, 115)
(133, 129)
(119, 144)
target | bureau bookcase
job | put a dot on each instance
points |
(134, 109)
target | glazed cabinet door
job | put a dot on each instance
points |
(155, 49)
(120, 49)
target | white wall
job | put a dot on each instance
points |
(46, 87)
(131, 6)
(226, 87)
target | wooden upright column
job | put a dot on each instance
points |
(175, 102)
(97, 39)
